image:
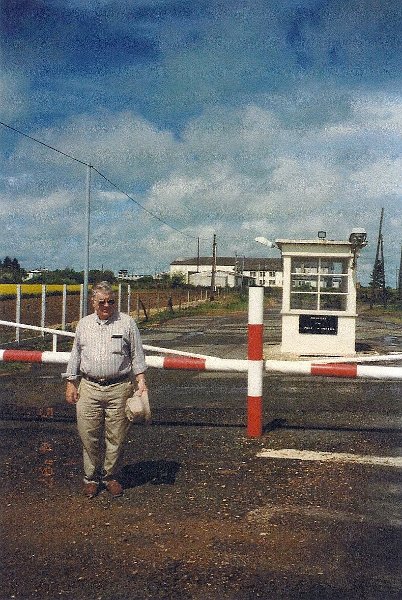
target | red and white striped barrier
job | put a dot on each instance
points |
(255, 361)
(346, 370)
(329, 369)
(254, 365)
(189, 363)
(34, 356)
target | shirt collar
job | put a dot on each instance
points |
(113, 318)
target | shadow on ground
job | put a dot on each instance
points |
(156, 472)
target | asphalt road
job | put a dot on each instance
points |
(209, 513)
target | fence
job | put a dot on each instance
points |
(65, 308)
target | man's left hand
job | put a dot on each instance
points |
(142, 386)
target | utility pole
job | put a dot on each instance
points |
(86, 267)
(378, 277)
(213, 270)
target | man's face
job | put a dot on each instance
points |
(104, 305)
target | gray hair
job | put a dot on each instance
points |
(103, 287)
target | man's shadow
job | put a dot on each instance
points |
(156, 472)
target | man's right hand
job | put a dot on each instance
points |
(72, 392)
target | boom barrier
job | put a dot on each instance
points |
(189, 363)
(254, 366)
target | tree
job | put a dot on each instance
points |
(95, 276)
(11, 271)
(177, 280)
(7, 263)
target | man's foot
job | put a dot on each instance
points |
(114, 488)
(91, 489)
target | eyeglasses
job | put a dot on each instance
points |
(103, 302)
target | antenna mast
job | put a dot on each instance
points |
(378, 277)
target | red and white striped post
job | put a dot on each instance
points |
(255, 361)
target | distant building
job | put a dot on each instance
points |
(126, 275)
(231, 271)
(35, 272)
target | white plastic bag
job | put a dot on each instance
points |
(138, 409)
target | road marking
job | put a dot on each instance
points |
(292, 454)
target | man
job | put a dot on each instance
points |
(107, 355)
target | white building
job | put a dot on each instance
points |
(231, 271)
(35, 272)
(127, 276)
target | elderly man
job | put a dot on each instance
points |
(106, 357)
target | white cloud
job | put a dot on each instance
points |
(123, 145)
(237, 172)
(381, 178)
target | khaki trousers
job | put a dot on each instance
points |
(103, 427)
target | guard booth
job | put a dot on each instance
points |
(319, 295)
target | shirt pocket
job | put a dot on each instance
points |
(117, 343)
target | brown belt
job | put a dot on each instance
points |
(104, 381)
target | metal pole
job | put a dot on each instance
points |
(88, 217)
(43, 309)
(213, 271)
(81, 300)
(18, 312)
(64, 307)
(119, 298)
(400, 279)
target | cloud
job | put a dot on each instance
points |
(356, 40)
(380, 179)
(125, 143)
(234, 171)
(13, 99)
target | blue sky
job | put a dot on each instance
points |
(234, 117)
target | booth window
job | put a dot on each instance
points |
(319, 284)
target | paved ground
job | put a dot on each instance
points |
(204, 515)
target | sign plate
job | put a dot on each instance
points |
(318, 324)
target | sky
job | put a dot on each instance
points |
(238, 118)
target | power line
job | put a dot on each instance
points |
(141, 206)
(43, 144)
(101, 174)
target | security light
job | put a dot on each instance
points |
(358, 237)
(264, 241)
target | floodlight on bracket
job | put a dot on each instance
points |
(357, 239)
(263, 240)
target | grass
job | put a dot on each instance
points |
(391, 314)
(229, 304)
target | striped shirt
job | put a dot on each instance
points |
(106, 349)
